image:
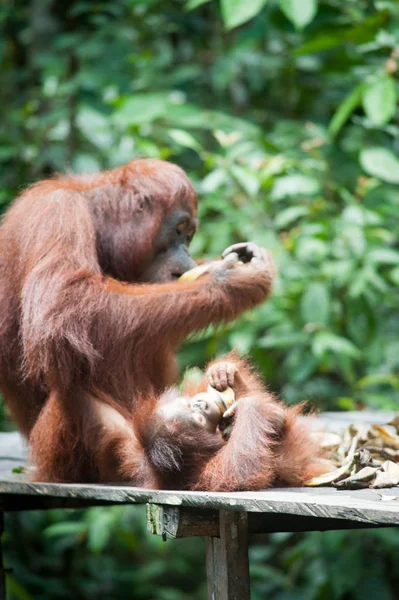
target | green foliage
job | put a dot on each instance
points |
(284, 114)
(105, 552)
(380, 162)
(99, 552)
(299, 12)
(237, 12)
(379, 100)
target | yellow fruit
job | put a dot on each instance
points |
(223, 399)
(195, 273)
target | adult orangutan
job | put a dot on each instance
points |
(92, 312)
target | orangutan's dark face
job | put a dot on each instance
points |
(200, 410)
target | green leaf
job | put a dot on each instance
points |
(7, 152)
(360, 33)
(289, 215)
(391, 354)
(379, 100)
(316, 304)
(66, 528)
(191, 4)
(100, 530)
(379, 379)
(237, 12)
(345, 109)
(295, 185)
(360, 282)
(376, 281)
(95, 127)
(243, 340)
(184, 139)
(141, 108)
(16, 590)
(246, 179)
(384, 255)
(19, 470)
(380, 162)
(282, 340)
(360, 321)
(305, 367)
(394, 274)
(311, 250)
(213, 181)
(324, 342)
(299, 12)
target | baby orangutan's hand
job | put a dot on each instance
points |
(231, 411)
(222, 375)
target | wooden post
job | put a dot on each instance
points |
(2, 572)
(172, 522)
(227, 565)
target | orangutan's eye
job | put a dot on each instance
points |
(181, 228)
(199, 418)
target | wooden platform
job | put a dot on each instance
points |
(224, 519)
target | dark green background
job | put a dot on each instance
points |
(284, 114)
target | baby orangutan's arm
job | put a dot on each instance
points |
(238, 375)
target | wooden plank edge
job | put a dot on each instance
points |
(296, 502)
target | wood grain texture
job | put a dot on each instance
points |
(227, 566)
(172, 522)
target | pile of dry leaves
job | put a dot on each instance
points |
(363, 456)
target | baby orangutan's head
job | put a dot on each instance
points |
(184, 437)
(202, 411)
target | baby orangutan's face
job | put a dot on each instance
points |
(201, 410)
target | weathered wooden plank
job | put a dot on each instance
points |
(337, 421)
(176, 522)
(12, 446)
(172, 522)
(364, 506)
(13, 452)
(227, 565)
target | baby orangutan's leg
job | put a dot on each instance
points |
(287, 443)
(299, 456)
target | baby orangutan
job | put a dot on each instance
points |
(229, 433)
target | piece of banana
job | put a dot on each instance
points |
(193, 274)
(223, 399)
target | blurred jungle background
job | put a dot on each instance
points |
(284, 113)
